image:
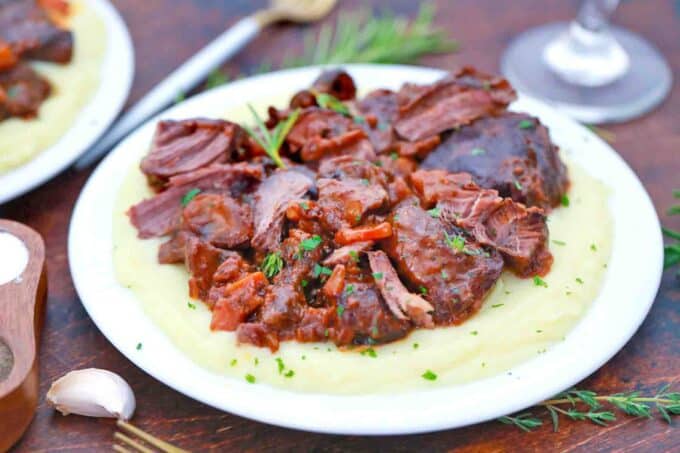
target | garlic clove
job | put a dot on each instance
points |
(92, 392)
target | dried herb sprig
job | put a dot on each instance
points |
(587, 405)
(360, 37)
(672, 251)
(271, 140)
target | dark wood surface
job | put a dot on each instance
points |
(165, 32)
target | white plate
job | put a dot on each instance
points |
(115, 81)
(629, 288)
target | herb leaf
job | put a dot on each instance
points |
(271, 141)
(190, 195)
(272, 264)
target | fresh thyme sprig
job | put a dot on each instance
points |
(587, 405)
(271, 140)
(672, 251)
(361, 38)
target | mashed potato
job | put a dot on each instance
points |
(72, 87)
(519, 319)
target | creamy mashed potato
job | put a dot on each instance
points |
(519, 320)
(72, 87)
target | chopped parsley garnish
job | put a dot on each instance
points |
(304, 205)
(349, 289)
(474, 332)
(497, 305)
(565, 200)
(250, 378)
(445, 275)
(364, 181)
(304, 283)
(555, 241)
(354, 255)
(517, 184)
(340, 310)
(538, 281)
(191, 305)
(320, 270)
(310, 244)
(139, 346)
(272, 264)
(416, 345)
(281, 366)
(579, 280)
(434, 212)
(190, 195)
(326, 101)
(539, 331)
(377, 275)
(394, 155)
(233, 362)
(289, 374)
(422, 290)
(526, 124)
(369, 352)
(593, 247)
(256, 361)
(456, 242)
(478, 151)
(429, 375)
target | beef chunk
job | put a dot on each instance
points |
(22, 91)
(236, 301)
(398, 298)
(344, 202)
(519, 233)
(160, 215)
(348, 253)
(511, 153)
(183, 146)
(220, 220)
(271, 201)
(428, 110)
(30, 32)
(202, 260)
(337, 83)
(452, 271)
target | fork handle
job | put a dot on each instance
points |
(180, 80)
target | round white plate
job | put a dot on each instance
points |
(628, 291)
(115, 81)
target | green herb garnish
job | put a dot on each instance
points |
(555, 241)
(139, 346)
(377, 275)
(478, 151)
(429, 375)
(565, 200)
(320, 270)
(349, 289)
(434, 212)
(340, 309)
(329, 102)
(456, 242)
(191, 305)
(271, 141)
(354, 255)
(190, 195)
(517, 184)
(526, 124)
(538, 281)
(309, 244)
(272, 264)
(369, 352)
(250, 378)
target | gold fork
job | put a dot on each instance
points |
(137, 440)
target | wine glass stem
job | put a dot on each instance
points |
(594, 15)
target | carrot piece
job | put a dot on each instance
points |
(363, 233)
(7, 57)
(336, 282)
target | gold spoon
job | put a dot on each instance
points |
(200, 65)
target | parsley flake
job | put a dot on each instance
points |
(340, 310)
(190, 195)
(526, 124)
(349, 289)
(565, 200)
(435, 212)
(538, 281)
(456, 242)
(326, 101)
(191, 305)
(517, 184)
(272, 264)
(478, 151)
(377, 275)
(310, 244)
(320, 270)
(139, 346)
(429, 375)
(250, 378)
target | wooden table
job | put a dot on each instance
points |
(165, 32)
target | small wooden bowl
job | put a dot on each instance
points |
(22, 303)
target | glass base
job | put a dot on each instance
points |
(645, 84)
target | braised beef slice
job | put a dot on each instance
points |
(220, 220)
(160, 215)
(271, 200)
(172, 250)
(202, 260)
(428, 110)
(22, 91)
(519, 233)
(30, 32)
(236, 301)
(337, 83)
(511, 153)
(344, 202)
(183, 146)
(453, 280)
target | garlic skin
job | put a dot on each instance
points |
(92, 392)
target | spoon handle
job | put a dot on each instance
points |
(179, 81)
(22, 302)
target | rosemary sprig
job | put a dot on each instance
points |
(271, 140)
(272, 264)
(360, 38)
(584, 405)
(672, 251)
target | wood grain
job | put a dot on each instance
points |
(22, 304)
(166, 32)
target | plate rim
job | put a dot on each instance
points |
(242, 396)
(108, 99)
